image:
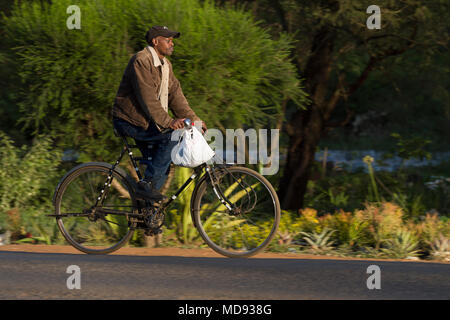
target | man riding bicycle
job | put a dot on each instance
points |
(147, 90)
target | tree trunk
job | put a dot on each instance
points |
(300, 158)
(306, 126)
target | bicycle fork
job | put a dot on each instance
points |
(222, 198)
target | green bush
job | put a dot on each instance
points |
(319, 243)
(402, 245)
(289, 229)
(28, 176)
(351, 228)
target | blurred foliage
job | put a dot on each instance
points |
(415, 190)
(31, 170)
(180, 216)
(28, 176)
(289, 228)
(403, 245)
(319, 243)
(411, 148)
(440, 248)
(409, 96)
(383, 221)
(350, 228)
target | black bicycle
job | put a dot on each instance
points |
(235, 209)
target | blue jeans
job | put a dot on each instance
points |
(158, 154)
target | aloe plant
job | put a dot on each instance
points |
(440, 248)
(319, 242)
(401, 246)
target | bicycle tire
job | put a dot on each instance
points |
(212, 230)
(72, 192)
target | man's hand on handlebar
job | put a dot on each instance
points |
(179, 124)
(176, 124)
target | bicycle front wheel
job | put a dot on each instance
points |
(252, 223)
(88, 224)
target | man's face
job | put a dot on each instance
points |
(164, 46)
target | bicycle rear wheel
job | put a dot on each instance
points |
(248, 228)
(92, 228)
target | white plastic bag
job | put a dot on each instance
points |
(192, 149)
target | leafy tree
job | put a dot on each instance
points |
(336, 53)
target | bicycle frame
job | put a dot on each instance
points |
(197, 173)
(210, 171)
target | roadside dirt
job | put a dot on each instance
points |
(182, 252)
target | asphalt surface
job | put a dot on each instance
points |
(25, 275)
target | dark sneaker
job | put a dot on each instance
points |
(146, 191)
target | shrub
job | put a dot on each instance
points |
(28, 176)
(319, 243)
(350, 228)
(308, 221)
(383, 221)
(289, 228)
(402, 245)
(432, 227)
(440, 248)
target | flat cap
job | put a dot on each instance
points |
(162, 31)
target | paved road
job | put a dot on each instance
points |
(43, 276)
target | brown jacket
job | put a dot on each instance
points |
(137, 98)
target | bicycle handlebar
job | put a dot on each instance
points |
(187, 123)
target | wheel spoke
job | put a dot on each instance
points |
(111, 222)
